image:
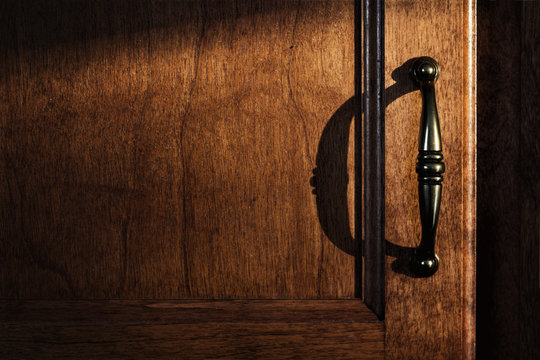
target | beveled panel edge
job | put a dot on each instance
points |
(374, 105)
(185, 311)
(469, 181)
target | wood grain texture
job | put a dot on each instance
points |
(468, 293)
(164, 149)
(529, 184)
(190, 330)
(498, 189)
(374, 167)
(508, 156)
(425, 317)
(184, 311)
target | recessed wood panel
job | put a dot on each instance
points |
(166, 149)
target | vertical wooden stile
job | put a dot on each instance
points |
(374, 107)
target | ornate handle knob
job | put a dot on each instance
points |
(429, 167)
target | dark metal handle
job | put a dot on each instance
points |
(429, 167)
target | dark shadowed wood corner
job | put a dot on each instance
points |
(508, 301)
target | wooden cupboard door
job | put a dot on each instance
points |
(175, 181)
(178, 180)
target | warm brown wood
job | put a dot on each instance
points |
(430, 317)
(190, 330)
(508, 157)
(468, 282)
(194, 341)
(185, 311)
(168, 149)
(158, 149)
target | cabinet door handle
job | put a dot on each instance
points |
(429, 167)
